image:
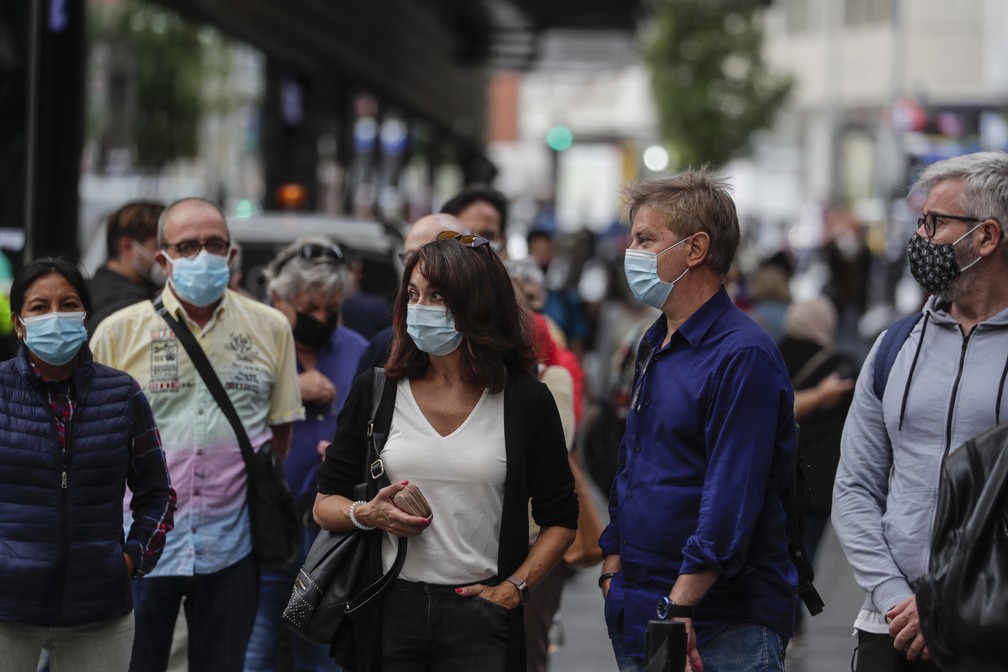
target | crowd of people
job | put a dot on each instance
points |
(694, 407)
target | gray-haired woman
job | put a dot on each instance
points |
(307, 282)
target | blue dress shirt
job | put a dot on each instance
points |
(702, 469)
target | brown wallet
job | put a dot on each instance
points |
(412, 501)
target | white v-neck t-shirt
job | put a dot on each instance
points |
(462, 477)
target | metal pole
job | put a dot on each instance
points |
(31, 135)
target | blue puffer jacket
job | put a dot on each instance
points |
(61, 518)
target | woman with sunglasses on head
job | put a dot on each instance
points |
(307, 281)
(73, 436)
(479, 436)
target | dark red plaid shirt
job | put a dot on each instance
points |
(61, 400)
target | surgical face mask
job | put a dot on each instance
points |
(55, 337)
(200, 280)
(314, 333)
(152, 272)
(641, 269)
(934, 265)
(432, 329)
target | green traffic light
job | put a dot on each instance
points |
(559, 138)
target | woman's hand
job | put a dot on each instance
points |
(505, 594)
(383, 513)
(130, 567)
(316, 388)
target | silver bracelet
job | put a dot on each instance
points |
(353, 517)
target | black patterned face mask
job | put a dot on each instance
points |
(934, 265)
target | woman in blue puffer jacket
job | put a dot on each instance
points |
(73, 435)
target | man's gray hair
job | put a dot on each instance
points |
(985, 176)
(290, 274)
(691, 202)
(163, 219)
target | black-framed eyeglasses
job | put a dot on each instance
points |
(467, 239)
(314, 251)
(929, 220)
(190, 248)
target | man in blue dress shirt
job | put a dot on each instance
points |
(697, 516)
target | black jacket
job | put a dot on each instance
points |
(962, 599)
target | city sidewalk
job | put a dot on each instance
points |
(826, 645)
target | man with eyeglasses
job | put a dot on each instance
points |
(946, 385)
(208, 564)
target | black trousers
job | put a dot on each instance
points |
(875, 653)
(429, 627)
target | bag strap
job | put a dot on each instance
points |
(810, 367)
(376, 470)
(892, 342)
(213, 383)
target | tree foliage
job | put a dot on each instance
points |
(711, 86)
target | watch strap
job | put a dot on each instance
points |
(522, 587)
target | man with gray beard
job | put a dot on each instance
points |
(945, 386)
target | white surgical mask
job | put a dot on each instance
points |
(641, 269)
(432, 329)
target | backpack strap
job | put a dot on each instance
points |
(892, 342)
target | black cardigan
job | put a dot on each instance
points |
(537, 468)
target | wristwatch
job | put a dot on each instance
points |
(521, 586)
(667, 609)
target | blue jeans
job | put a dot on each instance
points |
(741, 648)
(220, 610)
(268, 633)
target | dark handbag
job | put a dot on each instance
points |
(273, 511)
(334, 587)
(962, 600)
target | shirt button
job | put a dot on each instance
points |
(193, 530)
(647, 402)
(629, 495)
(636, 449)
(199, 412)
(195, 493)
(199, 451)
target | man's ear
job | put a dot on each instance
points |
(992, 237)
(124, 247)
(697, 248)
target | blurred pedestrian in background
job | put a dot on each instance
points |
(208, 566)
(823, 380)
(697, 510)
(480, 436)
(306, 281)
(131, 273)
(73, 436)
(483, 211)
(945, 385)
(769, 297)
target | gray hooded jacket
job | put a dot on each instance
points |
(944, 388)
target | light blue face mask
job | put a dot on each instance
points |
(432, 329)
(641, 269)
(200, 280)
(55, 337)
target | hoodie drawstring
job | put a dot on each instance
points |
(913, 365)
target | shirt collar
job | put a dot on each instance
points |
(696, 325)
(176, 310)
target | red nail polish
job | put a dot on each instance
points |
(458, 590)
(405, 483)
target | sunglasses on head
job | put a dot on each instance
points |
(467, 239)
(314, 251)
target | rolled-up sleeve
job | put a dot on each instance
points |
(742, 428)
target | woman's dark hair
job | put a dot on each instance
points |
(65, 266)
(478, 292)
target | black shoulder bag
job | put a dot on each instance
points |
(336, 583)
(273, 512)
